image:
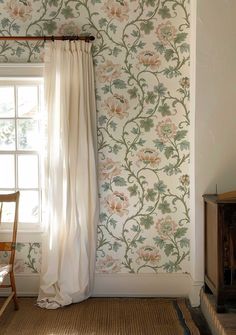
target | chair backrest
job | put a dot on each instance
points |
(10, 245)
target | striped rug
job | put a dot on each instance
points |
(102, 316)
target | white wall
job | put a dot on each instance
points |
(215, 109)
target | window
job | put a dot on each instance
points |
(21, 144)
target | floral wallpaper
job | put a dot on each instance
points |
(141, 57)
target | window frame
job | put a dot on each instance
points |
(23, 74)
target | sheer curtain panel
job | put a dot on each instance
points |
(71, 195)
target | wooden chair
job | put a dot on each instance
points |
(7, 270)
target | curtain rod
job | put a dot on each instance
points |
(86, 38)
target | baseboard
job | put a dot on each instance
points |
(147, 285)
(127, 285)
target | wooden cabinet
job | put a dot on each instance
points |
(220, 248)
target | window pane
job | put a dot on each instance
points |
(28, 134)
(7, 104)
(27, 101)
(27, 171)
(7, 134)
(7, 210)
(29, 206)
(7, 175)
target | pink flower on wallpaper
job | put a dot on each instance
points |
(166, 227)
(109, 169)
(148, 254)
(149, 59)
(19, 10)
(117, 203)
(166, 130)
(148, 156)
(116, 10)
(69, 29)
(116, 106)
(166, 32)
(108, 71)
(108, 265)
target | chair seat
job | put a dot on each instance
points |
(4, 270)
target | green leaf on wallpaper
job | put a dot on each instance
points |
(95, 1)
(133, 190)
(168, 249)
(15, 27)
(150, 2)
(171, 267)
(171, 169)
(160, 186)
(169, 152)
(147, 124)
(151, 195)
(135, 131)
(147, 221)
(184, 48)
(119, 181)
(102, 217)
(53, 3)
(159, 47)
(102, 120)
(106, 89)
(159, 145)
(150, 208)
(5, 22)
(150, 98)
(180, 232)
(159, 242)
(67, 12)
(164, 109)
(50, 26)
(116, 148)
(147, 27)
(180, 38)
(135, 33)
(184, 242)
(19, 246)
(169, 54)
(141, 239)
(53, 13)
(164, 207)
(116, 51)
(119, 84)
(133, 92)
(106, 186)
(113, 222)
(184, 145)
(135, 228)
(116, 246)
(19, 51)
(171, 72)
(160, 89)
(180, 135)
(164, 12)
(102, 22)
(113, 28)
(113, 125)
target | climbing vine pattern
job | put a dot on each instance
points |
(141, 58)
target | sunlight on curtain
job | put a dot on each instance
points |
(71, 196)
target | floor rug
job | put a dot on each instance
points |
(102, 316)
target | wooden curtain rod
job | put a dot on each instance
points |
(85, 38)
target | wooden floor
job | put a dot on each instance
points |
(220, 324)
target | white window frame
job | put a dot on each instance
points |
(30, 72)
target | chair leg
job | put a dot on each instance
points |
(13, 286)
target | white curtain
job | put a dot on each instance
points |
(71, 196)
